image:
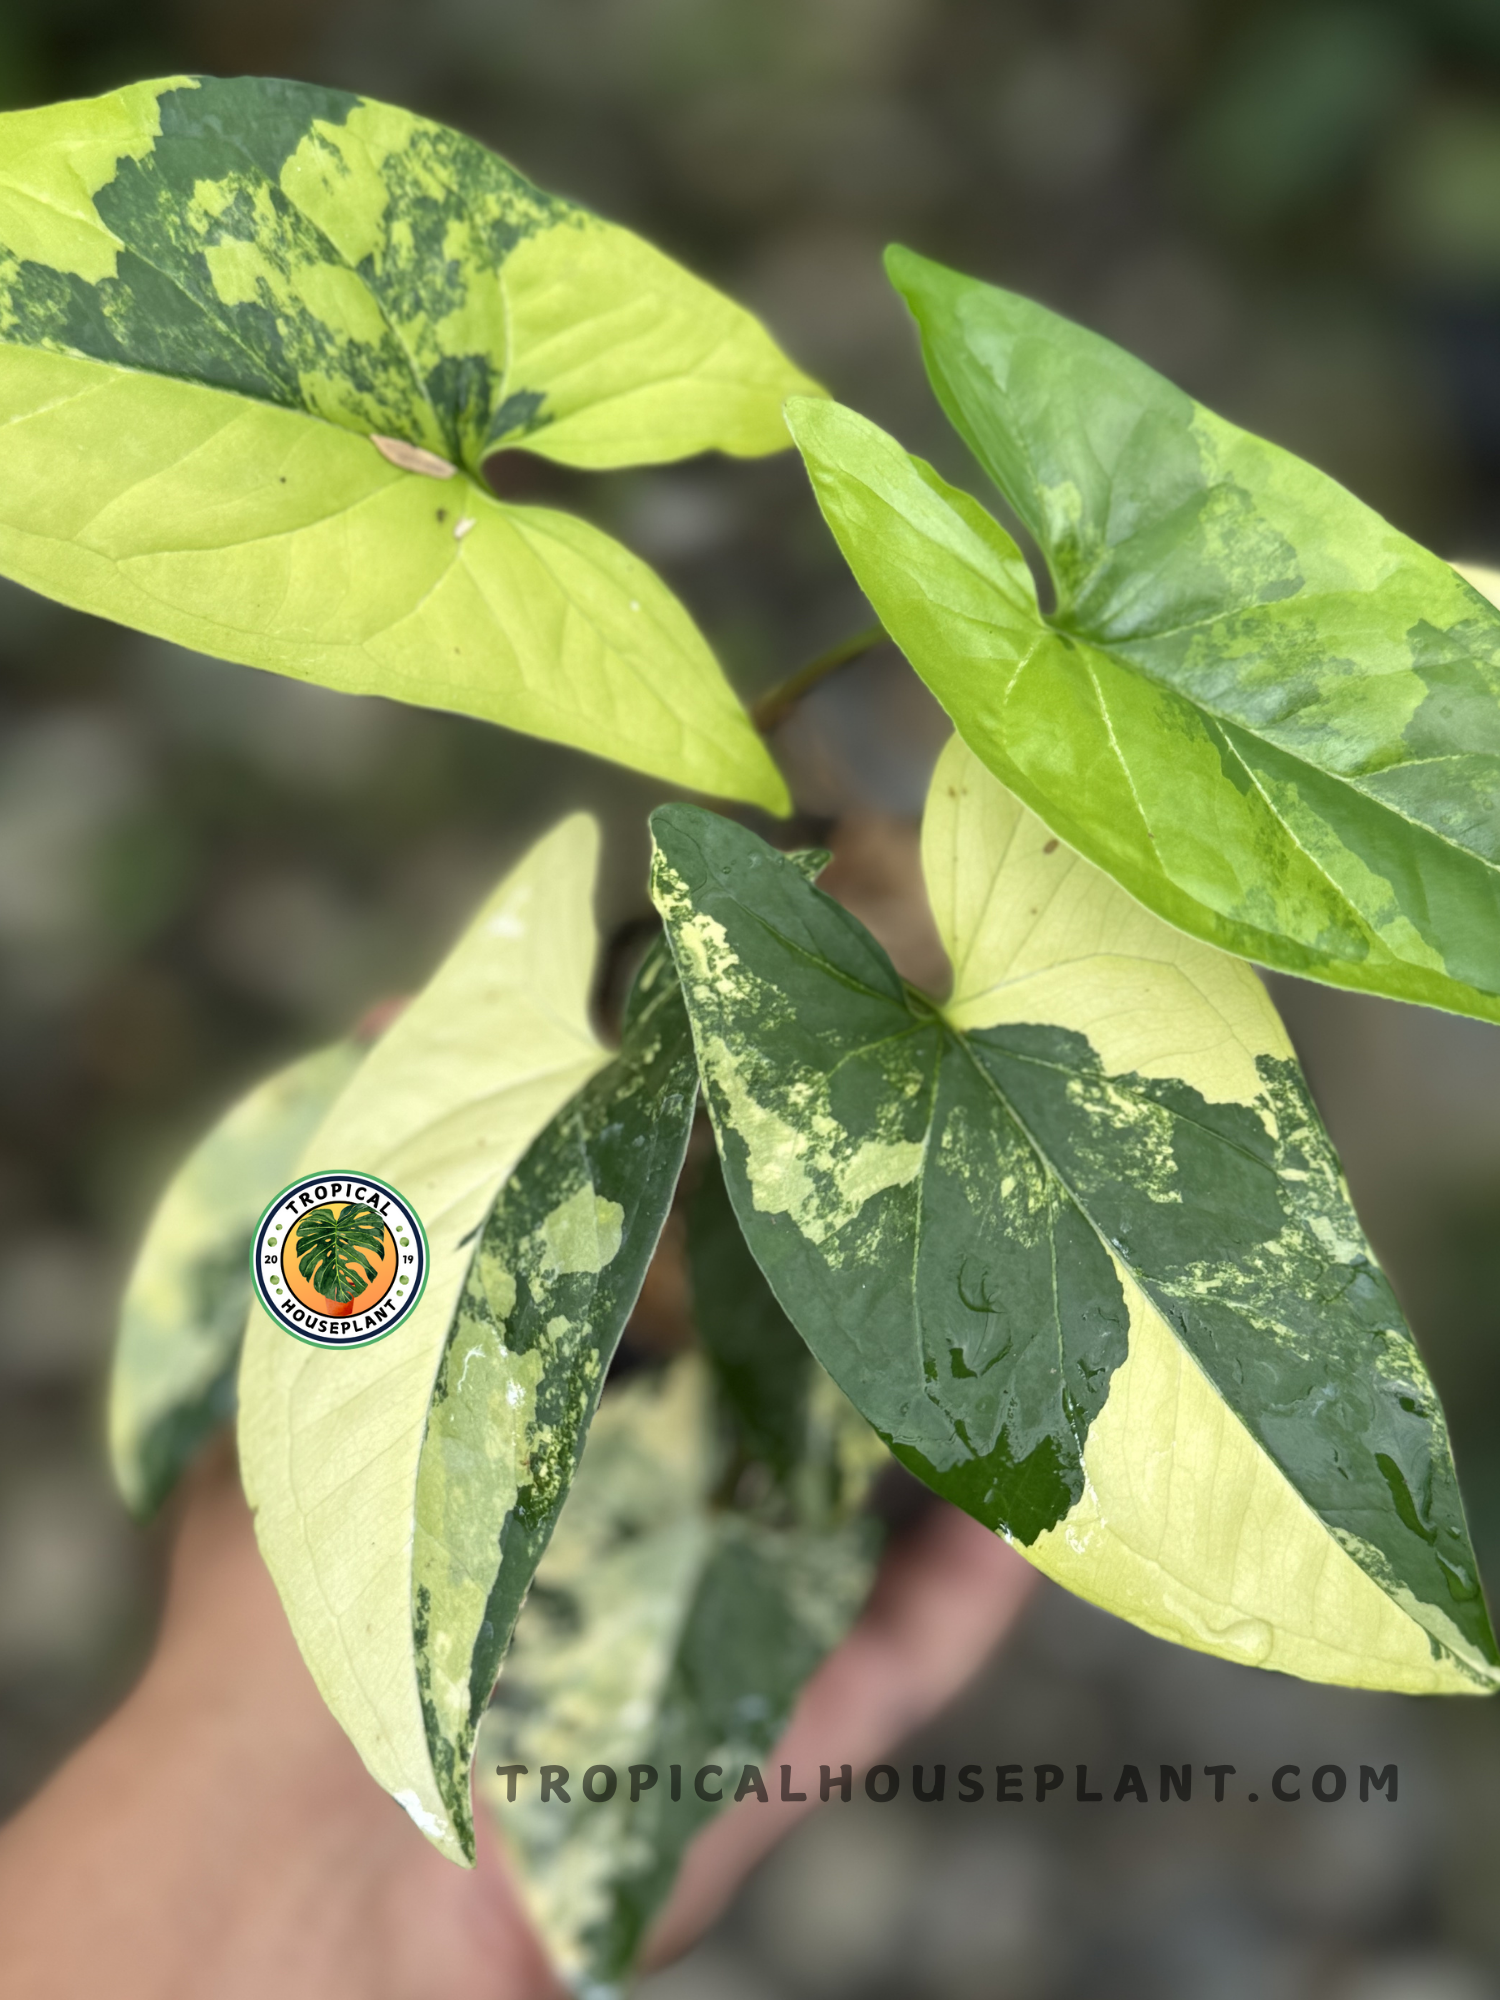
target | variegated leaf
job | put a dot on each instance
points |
(183, 1315)
(663, 1630)
(1269, 715)
(1077, 1245)
(256, 341)
(444, 1107)
(556, 1272)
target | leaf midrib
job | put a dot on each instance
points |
(943, 1031)
(530, 522)
(1233, 726)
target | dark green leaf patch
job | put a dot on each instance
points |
(760, 1362)
(269, 248)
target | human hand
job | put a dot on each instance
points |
(219, 1837)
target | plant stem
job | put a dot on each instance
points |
(774, 707)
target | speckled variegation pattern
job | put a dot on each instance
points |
(1268, 714)
(665, 1627)
(1092, 1183)
(218, 298)
(555, 1274)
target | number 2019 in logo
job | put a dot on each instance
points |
(339, 1259)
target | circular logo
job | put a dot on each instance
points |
(339, 1259)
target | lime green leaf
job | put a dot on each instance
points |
(256, 341)
(183, 1315)
(1077, 1245)
(557, 1270)
(1267, 714)
(663, 1630)
(443, 1108)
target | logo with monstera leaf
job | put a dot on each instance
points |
(339, 1259)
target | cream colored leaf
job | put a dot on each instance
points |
(330, 1440)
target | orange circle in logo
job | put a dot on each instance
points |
(385, 1268)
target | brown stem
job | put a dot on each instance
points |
(773, 708)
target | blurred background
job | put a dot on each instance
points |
(1292, 209)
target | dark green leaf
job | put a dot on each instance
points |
(760, 1362)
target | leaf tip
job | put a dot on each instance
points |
(758, 782)
(902, 266)
(452, 1837)
(798, 412)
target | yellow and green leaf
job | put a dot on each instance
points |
(1270, 716)
(183, 1315)
(1076, 1244)
(256, 341)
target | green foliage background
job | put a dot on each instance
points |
(1292, 209)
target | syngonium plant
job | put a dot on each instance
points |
(1067, 1239)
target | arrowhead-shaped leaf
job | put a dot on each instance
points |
(666, 1629)
(554, 1276)
(1077, 1245)
(1271, 717)
(183, 1314)
(445, 1107)
(259, 337)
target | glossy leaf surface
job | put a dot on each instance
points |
(555, 1274)
(664, 1630)
(443, 1109)
(256, 341)
(1269, 715)
(1077, 1245)
(183, 1314)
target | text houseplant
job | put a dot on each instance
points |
(1068, 1240)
